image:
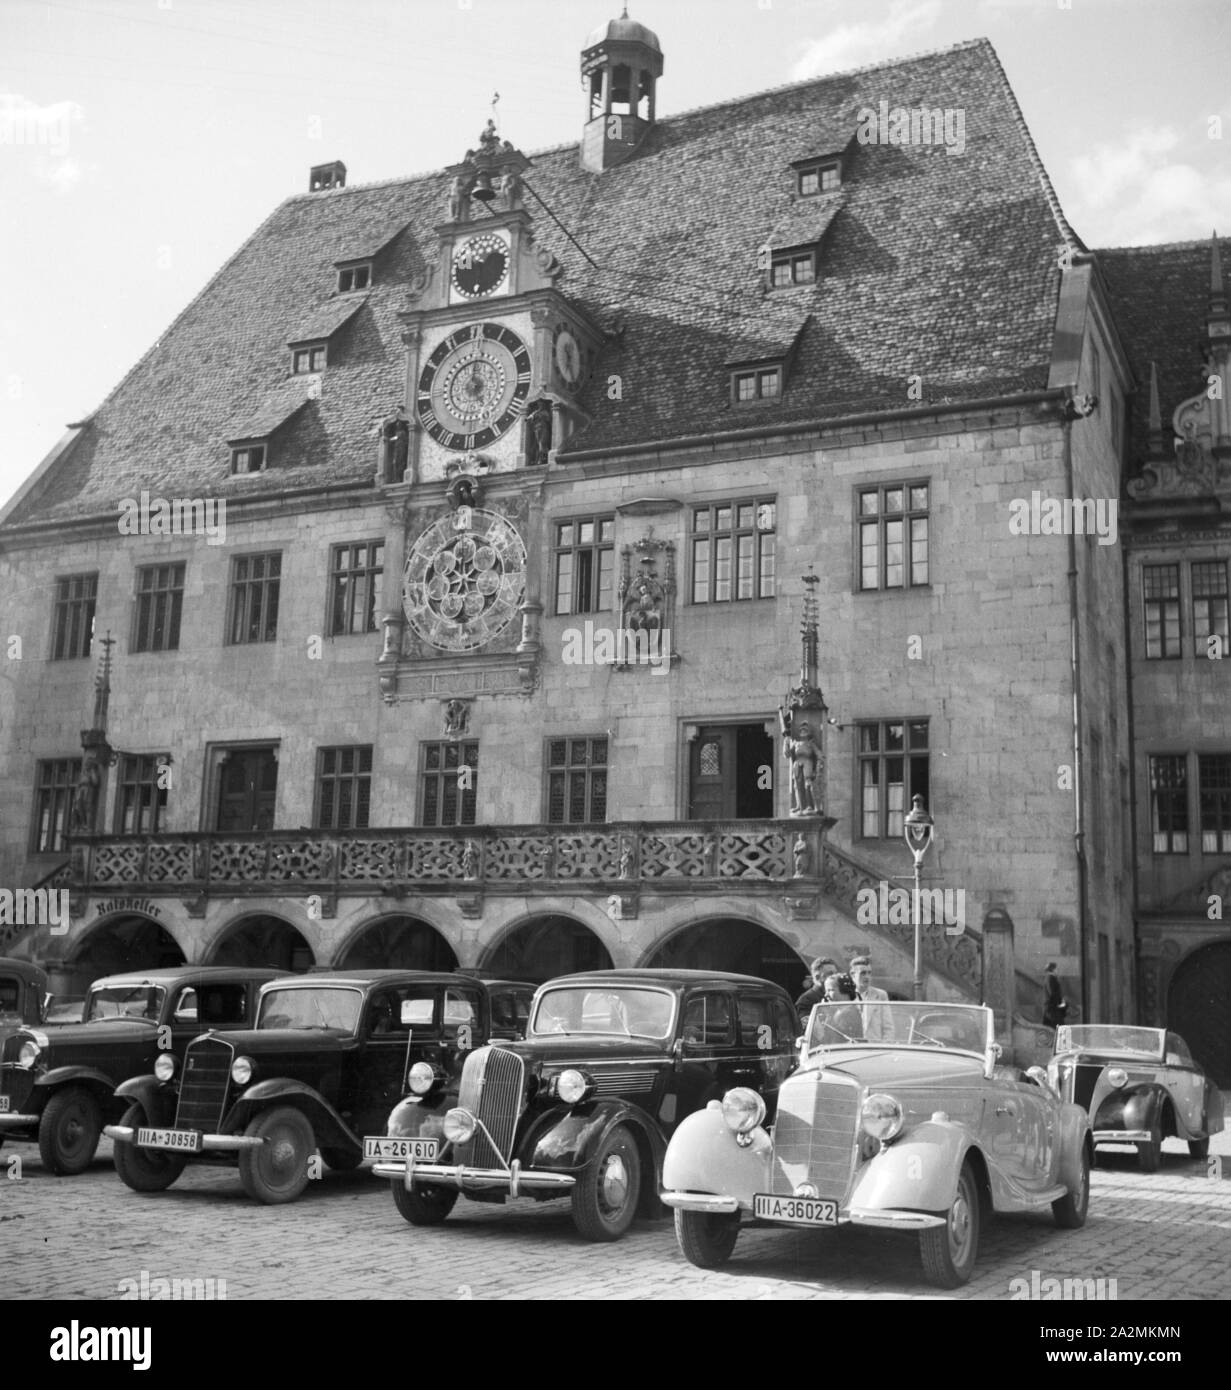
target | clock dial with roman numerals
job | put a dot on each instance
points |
(474, 386)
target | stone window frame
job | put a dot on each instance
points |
(601, 548)
(567, 768)
(72, 615)
(304, 358)
(242, 590)
(1209, 622)
(1156, 605)
(764, 540)
(759, 379)
(249, 457)
(138, 774)
(355, 779)
(440, 762)
(158, 607)
(1214, 802)
(795, 260)
(354, 276)
(909, 515)
(819, 170)
(888, 819)
(1169, 817)
(363, 573)
(55, 780)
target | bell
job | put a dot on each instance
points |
(483, 189)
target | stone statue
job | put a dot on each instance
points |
(395, 434)
(459, 199)
(510, 187)
(642, 612)
(802, 856)
(805, 755)
(489, 141)
(85, 795)
(470, 860)
(457, 718)
(538, 433)
(626, 859)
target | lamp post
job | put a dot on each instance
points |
(919, 829)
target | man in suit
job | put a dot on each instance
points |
(877, 1023)
(821, 969)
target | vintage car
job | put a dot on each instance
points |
(328, 1057)
(612, 1061)
(23, 994)
(1140, 1086)
(898, 1117)
(57, 1085)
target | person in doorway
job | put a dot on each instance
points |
(1055, 1006)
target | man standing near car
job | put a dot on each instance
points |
(877, 1024)
(821, 969)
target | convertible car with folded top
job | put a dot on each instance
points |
(1140, 1086)
(900, 1117)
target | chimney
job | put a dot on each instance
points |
(325, 176)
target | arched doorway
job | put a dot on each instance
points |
(733, 943)
(544, 947)
(263, 940)
(120, 945)
(404, 943)
(1199, 1008)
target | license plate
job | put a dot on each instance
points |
(800, 1211)
(421, 1150)
(185, 1140)
(4, 1104)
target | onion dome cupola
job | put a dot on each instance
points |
(620, 67)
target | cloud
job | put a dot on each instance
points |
(61, 174)
(1133, 192)
(851, 45)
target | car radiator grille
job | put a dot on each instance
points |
(16, 1083)
(204, 1085)
(623, 1081)
(491, 1089)
(815, 1135)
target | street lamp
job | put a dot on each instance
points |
(919, 829)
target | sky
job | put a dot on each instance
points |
(142, 141)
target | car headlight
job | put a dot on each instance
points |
(572, 1085)
(422, 1078)
(29, 1054)
(881, 1117)
(743, 1109)
(1117, 1077)
(459, 1125)
(164, 1067)
(241, 1070)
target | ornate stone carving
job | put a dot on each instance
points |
(456, 718)
(647, 603)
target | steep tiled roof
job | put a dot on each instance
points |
(938, 265)
(1159, 296)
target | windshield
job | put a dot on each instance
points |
(956, 1027)
(1103, 1037)
(623, 1009)
(321, 1007)
(125, 1001)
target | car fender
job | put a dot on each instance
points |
(1131, 1107)
(155, 1097)
(63, 1076)
(1214, 1116)
(1074, 1130)
(330, 1129)
(917, 1172)
(703, 1156)
(567, 1138)
(420, 1117)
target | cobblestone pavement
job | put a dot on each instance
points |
(1165, 1236)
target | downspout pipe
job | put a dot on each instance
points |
(1079, 820)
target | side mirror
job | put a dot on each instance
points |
(1041, 1080)
(677, 1052)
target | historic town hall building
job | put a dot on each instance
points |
(617, 540)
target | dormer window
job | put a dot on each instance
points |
(821, 177)
(796, 266)
(354, 275)
(307, 360)
(248, 457)
(763, 384)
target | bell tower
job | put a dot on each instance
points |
(620, 67)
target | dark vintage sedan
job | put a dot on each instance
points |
(899, 1117)
(613, 1060)
(1140, 1085)
(23, 994)
(328, 1057)
(57, 1085)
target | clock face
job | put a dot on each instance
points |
(464, 580)
(480, 265)
(474, 386)
(568, 357)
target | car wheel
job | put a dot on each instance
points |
(605, 1195)
(69, 1131)
(949, 1251)
(1199, 1148)
(1150, 1154)
(277, 1171)
(425, 1204)
(706, 1238)
(145, 1170)
(342, 1160)
(1070, 1210)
